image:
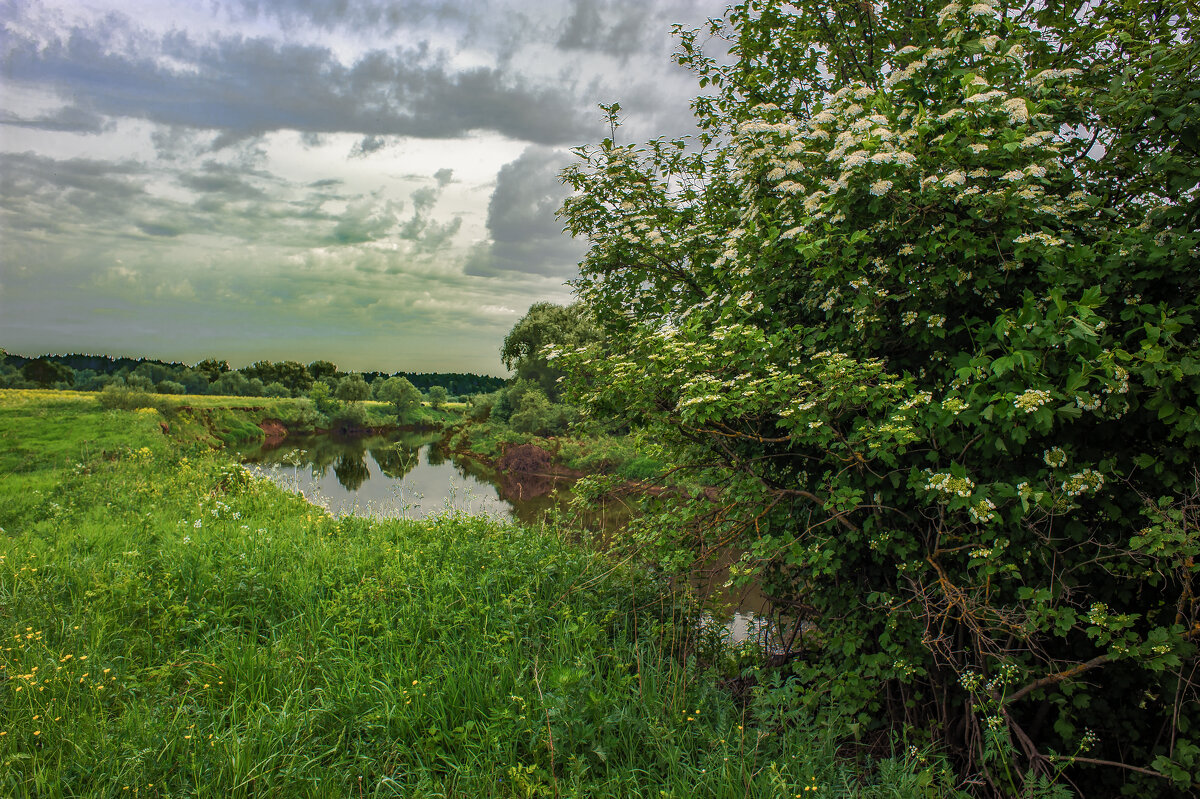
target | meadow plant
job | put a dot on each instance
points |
(175, 626)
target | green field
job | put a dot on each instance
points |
(174, 627)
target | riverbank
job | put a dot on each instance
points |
(179, 628)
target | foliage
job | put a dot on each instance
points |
(322, 370)
(127, 397)
(353, 389)
(545, 325)
(535, 413)
(182, 628)
(212, 368)
(47, 373)
(323, 398)
(402, 395)
(348, 418)
(438, 396)
(213, 376)
(292, 374)
(274, 390)
(938, 355)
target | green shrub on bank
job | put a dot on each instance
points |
(127, 397)
(938, 351)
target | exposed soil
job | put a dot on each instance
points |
(273, 430)
(529, 458)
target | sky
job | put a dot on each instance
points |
(370, 182)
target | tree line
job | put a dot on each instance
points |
(262, 378)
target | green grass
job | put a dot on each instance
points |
(173, 627)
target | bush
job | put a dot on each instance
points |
(940, 359)
(322, 396)
(303, 415)
(348, 418)
(481, 407)
(136, 382)
(125, 397)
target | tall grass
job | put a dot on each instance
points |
(175, 627)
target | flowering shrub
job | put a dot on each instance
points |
(940, 364)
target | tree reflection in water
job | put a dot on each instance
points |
(351, 470)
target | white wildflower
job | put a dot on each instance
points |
(1017, 110)
(1032, 399)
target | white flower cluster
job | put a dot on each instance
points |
(955, 405)
(950, 485)
(1039, 236)
(1081, 482)
(1032, 399)
(1055, 457)
(690, 401)
(1122, 377)
(983, 512)
(920, 398)
(1053, 74)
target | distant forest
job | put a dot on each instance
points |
(211, 376)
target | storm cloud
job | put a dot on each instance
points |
(248, 86)
(525, 235)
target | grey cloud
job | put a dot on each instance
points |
(424, 199)
(368, 145)
(20, 171)
(70, 119)
(526, 237)
(174, 142)
(160, 229)
(444, 177)
(310, 139)
(44, 194)
(87, 204)
(328, 14)
(606, 26)
(244, 87)
(223, 179)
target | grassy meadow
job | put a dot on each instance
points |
(173, 627)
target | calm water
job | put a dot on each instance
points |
(409, 476)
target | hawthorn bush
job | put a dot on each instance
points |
(919, 299)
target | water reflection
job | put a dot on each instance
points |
(388, 476)
(408, 475)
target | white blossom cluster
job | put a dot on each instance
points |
(1082, 482)
(1055, 457)
(982, 512)
(1032, 399)
(946, 483)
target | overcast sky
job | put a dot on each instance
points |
(371, 182)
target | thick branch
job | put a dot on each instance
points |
(1057, 677)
